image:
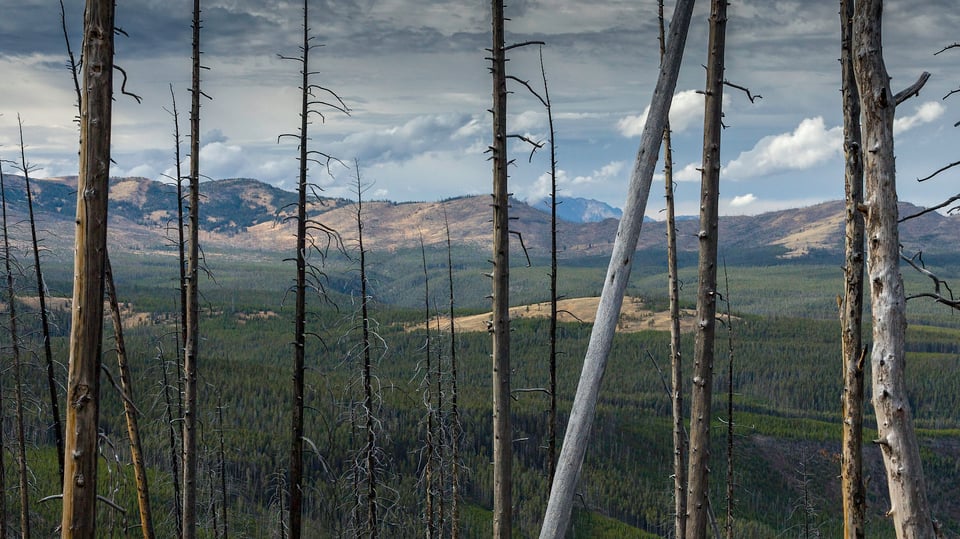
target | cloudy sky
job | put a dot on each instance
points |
(415, 79)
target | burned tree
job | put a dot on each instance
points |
(83, 382)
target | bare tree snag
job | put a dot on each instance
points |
(455, 427)
(851, 305)
(22, 483)
(83, 382)
(192, 340)
(428, 471)
(6, 257)
(676, 356)
(44, 315)
(897, 439)
(582, 413)
(703, 353)
(502, 425)
(129, 410)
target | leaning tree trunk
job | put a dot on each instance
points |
(574, 447)
(83, 381)
(703, 353)
(129, 409)
(851, 306)
(44, 315)
(909, 509)
(502, 428)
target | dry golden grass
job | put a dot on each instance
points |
(633, 315)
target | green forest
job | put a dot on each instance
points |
(786, 386)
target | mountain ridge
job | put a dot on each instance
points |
(247, 214)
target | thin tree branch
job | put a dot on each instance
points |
(912, 90)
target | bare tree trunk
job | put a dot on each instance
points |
(6, 256)
(192, 342)
(851, 307)
(83, 382)
(172, 440)
(560, 504)
(44, 318)
(428, 472)
(369, 453)
(502, 426)
(676, 363)
(455, 428)
(129, 410)
(222, 457)
(299, 343)
(181, 335)
(17, 381)
(700, 415)
(730, 423)
(896, 437)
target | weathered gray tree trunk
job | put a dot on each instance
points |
(897, 439)
(455, 427)
(192, 341)
(703, 353)
(676, 356)
(502, 425)
(851, 304)
(83, 381)
(582, 413)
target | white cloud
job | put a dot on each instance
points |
(686, 111)
(743, 200)
(578, 185)
(925, 113)
(527, 120)
(810, 144)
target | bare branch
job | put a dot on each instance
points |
(523, 44)
(944, 204)
(948, 47)
(912, 90)
(752, 97)
(941, 169)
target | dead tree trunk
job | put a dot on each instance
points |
(700, 407)
(83, 382)
(369, 453)
(17, 381)
(560, 504)
(428, 471)
(299, 343)
(6, 255)
(676, 363)
(192, 342)
(502, 427)
(851, 306)
(129, 410)
(44, 315)
(455, 427)
(896, 437)
(181, 335)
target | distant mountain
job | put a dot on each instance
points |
(246, 214)
(580, 210)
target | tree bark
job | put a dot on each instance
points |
(299, 343)
(83, 382)
(129, 410)
(909, 509)
(676, 356)
(851, 306)
(502, 427)
(575, 440)
(703, 354)
(192, 341)
(6, 255)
